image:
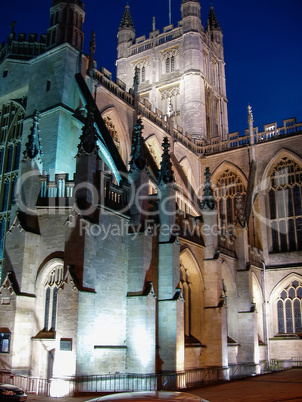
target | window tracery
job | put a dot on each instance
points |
(52, 284)
(141, 69)
(11, 126)
(285, 208)
(289, 308)
(170, 60)
(227, 188)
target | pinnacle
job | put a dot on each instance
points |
(166, 172)
(88, 139)
(208, 199)
(212, 22)
(127, 19)
(138, 160)
(33, 147)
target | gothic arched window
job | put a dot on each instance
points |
(11, 125)
(289, 309)
(53, 282)
(285, 209)
(170, 60)
(227, 188)
(141, 71)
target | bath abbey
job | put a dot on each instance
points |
(140, 241)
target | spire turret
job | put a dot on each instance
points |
(66, 23)
(126, 34)
(213, 27)
(212, 22)
(91, 53)
(126, 22)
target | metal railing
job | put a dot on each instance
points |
(32, 385)
(109, 383)
(114, 382)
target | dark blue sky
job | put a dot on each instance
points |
(262, 39)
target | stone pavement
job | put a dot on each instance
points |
(274, 387)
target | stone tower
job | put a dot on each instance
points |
(66, 23)
(181, 70)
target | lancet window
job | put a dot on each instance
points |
(53, 282)
(170, 60)
(285, 208)
(140, 69)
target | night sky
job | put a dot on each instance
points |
(262, 41)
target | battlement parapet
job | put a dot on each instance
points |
(22, 47)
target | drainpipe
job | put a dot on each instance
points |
(266, 316)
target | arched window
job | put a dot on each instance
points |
(191, 286)
(172, 63)
(53, 282)
(285, 209)
(170, 59)
(289, 309)
(228, 186)
(167, 65)
(11, 125)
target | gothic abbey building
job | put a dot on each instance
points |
(138, 236)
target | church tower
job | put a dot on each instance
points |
(181, 71)
(66, 23)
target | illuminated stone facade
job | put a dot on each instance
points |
(143, 239)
